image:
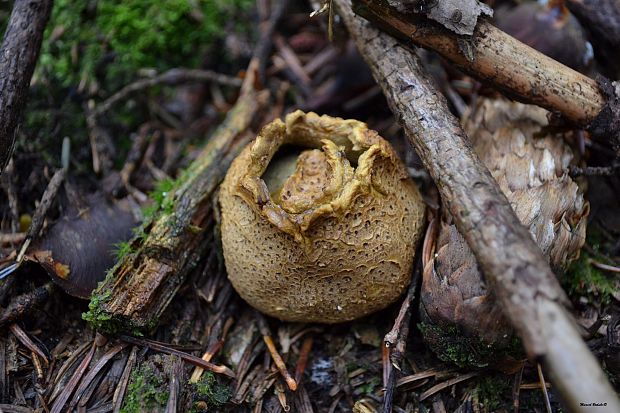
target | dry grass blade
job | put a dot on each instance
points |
(119, 393)
(419, 376)
(213, 348)
(444, 385)
(62, 399)
(27, 342)
(544, 388)
(93, 372)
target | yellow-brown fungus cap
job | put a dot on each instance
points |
(319, 220)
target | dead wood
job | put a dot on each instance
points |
(171, 77)
(602, 19)
(500, 60)
(396, 341)
(19, 53)
(138, 289)
(514, 266)
(24, 304)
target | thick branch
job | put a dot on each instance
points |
(498, 59)
(514, 266)
(18, 57)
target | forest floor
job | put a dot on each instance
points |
(50, 357)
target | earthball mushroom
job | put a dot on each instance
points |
(319, 220)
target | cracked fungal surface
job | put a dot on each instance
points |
(319, 220)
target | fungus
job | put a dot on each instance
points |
(319, 220)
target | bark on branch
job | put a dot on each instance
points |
(513, 265)
(18, 57)
(139, 287)
(500, 60)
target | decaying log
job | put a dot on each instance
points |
(514, 266)
(602, 19)
(139, 287)
(502, 61)
(18, 57)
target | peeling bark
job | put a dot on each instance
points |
(138, 289)
(18, 57)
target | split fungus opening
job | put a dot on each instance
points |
(319, 220)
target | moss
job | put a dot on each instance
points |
(208, 390)
(122, 249)
(369, 387)
(452, 345)
(108, 41)
(105, 322)
(145, 391)
(96, 316)
(494, 392)
(584, 280)
(162, 198)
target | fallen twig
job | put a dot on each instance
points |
(514, 266)
(396, 340)
(273, 351)
(26, 341)
(19, 51)
(171, 77)
(448, 383)
(25, 303)
(196, 361)
(502, 61)
(93, 372)
(138, 289)
(119, 393)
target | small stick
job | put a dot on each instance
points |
(93, 372)
(185, 356)
(541, 377)
(176, 377)
(516, 390)
(273, 351)
(25, 303)
(119, 393)
(26, 341)
(500, 60)
(39, 216)
(37, 365)
(170, 77)
(207, 356)
(62, 399)
(396, 340)
(443, 385)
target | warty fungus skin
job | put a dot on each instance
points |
(319, 220)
